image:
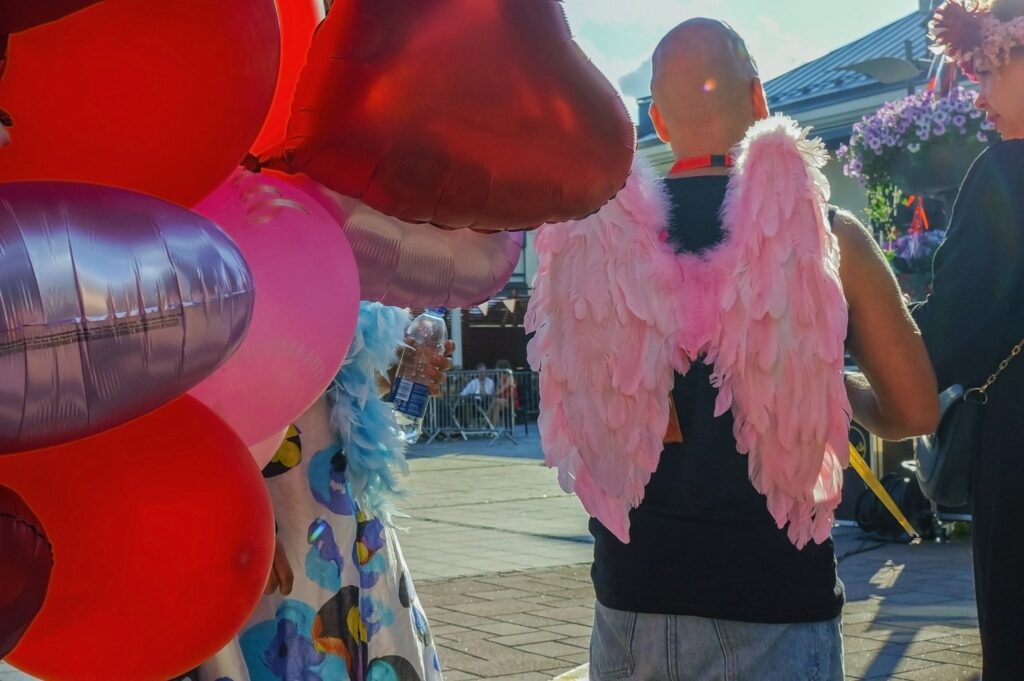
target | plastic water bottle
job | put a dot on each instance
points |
(427, 335)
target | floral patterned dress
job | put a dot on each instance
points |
(353, 612)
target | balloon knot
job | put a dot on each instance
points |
(251, 162)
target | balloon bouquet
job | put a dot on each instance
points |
(167, 313)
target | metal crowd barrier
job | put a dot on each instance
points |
(528, 384)
(473, 404)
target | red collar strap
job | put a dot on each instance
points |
(698, 162)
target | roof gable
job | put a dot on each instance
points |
(826, 80)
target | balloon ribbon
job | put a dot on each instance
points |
(871, 480)
(920, 222)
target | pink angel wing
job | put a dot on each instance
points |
(778, 353)
(604, 329)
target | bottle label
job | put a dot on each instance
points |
(410, 397)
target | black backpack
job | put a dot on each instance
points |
(872, 516)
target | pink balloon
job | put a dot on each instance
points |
(263, 452)
(409, 265)
(307, 303)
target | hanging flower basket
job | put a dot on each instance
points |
(934, 169)
(918, 146)
(923, 143)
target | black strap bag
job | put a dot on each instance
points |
(944, 458)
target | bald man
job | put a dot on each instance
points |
(706, 91)
(708, 586)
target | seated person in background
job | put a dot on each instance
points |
(482, 386)
(476, 398)
(506, 396)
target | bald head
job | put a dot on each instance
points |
(705, 88)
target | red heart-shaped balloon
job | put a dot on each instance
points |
(298, 19)
(461, 113)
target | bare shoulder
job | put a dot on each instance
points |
(862, 266)
(854, 238)
(869, 284)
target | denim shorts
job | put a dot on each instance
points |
(630, 645)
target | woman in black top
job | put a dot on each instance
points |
(971, 322)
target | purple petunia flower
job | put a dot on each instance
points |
(920, 245)
(909, 124)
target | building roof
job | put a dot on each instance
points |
(826, 80)
(644, 125)
(825, 93)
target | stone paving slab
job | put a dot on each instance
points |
(490, 513)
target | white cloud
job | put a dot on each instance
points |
(637, 83)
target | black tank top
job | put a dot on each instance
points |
(703, 542)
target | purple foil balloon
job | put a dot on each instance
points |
(112, 304)
(409, 265)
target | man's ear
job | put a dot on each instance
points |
(659, 123)
(758, 100)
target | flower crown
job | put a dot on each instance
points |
(969, 34)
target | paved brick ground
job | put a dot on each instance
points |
(535, 624)
(500, 559)
(501, 562)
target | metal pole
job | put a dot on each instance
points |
(457, 336)
(877, 463)
(908, 49)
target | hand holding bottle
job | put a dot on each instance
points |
(420, 368)
(434, 367)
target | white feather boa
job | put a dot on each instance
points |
(614, 311)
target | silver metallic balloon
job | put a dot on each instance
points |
(415, 265)
(111, 304)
